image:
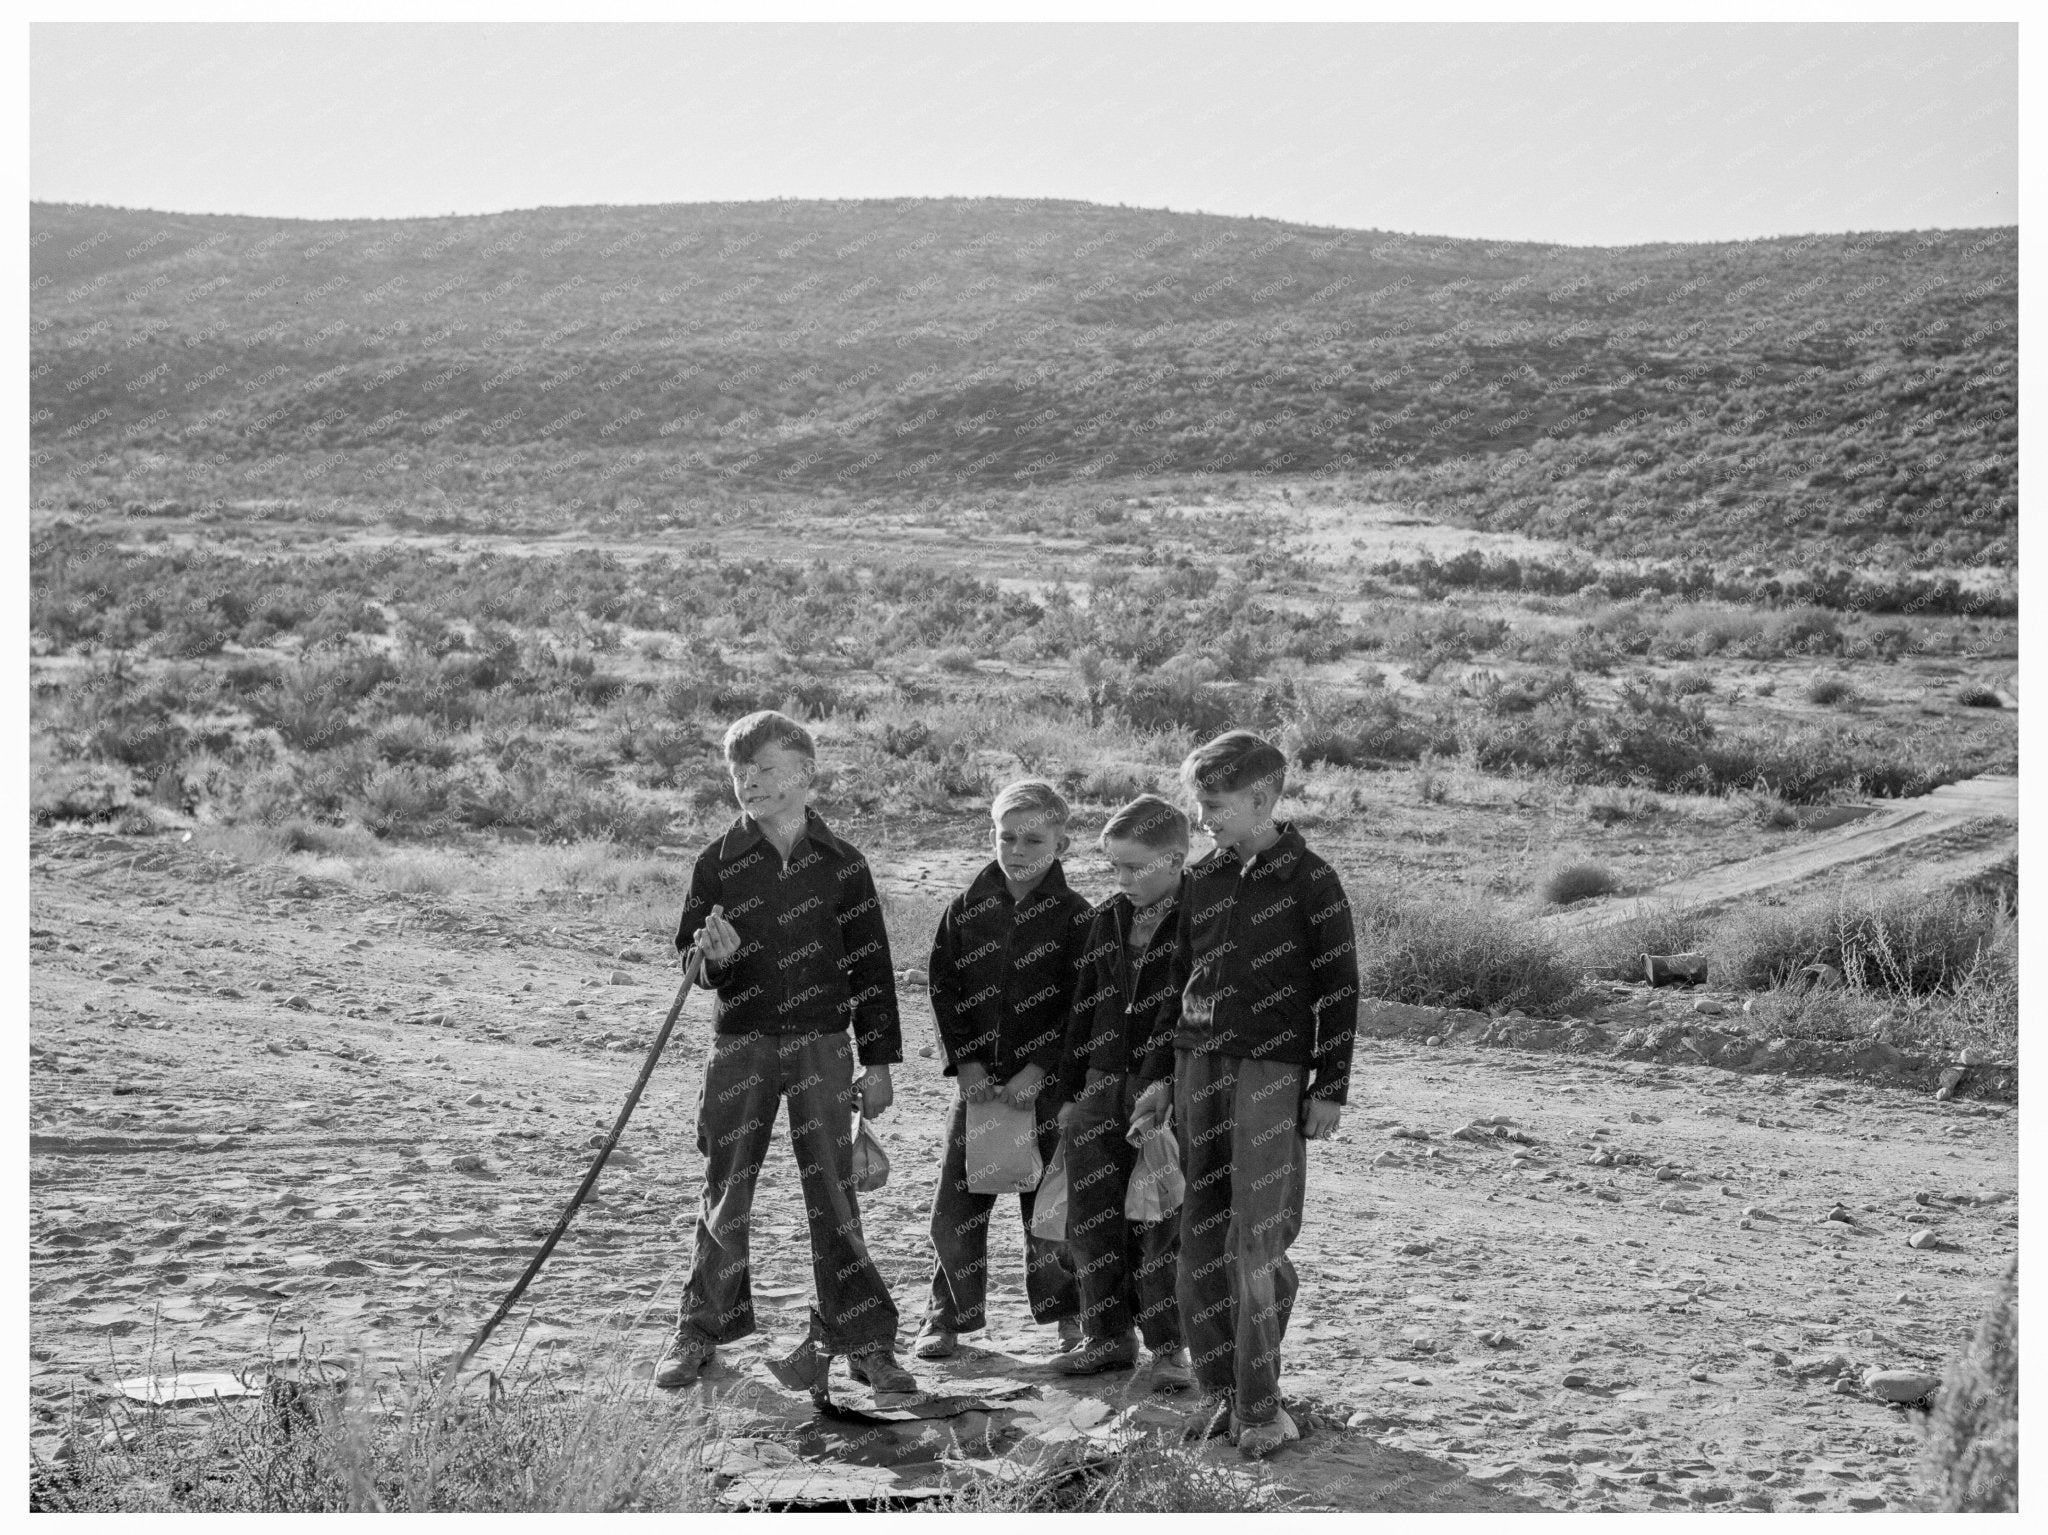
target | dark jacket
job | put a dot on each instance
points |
(1122, 1012)
(813, 956)
(1002, 973)
(1266, 964)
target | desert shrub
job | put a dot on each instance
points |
(1114, 783)
(1972, 1453)
(139, 737)
(1829, 691)
(1322, 728)
(408, 738)
(404, 800)
(533, 797)
(1460, 952)
(956, 659)
(1902, 942)
(1978, 695)
(1575, 881)
(78, 791)
(329, 782)
(1606, 806)
(1173, 699)
(1692, 681)
(1798, 631)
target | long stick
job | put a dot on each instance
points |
(690, 977)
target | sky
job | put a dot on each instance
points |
(1591, 134)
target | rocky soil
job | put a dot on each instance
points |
(271, 1113)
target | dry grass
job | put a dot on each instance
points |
(1901, 942)
(389, 1447)
(527, 1445)
(1972, 1453)
(1460, 952)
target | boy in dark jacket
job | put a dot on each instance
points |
(786, 919)
(1126, 1008)
(1268, 976)
(1003, 967)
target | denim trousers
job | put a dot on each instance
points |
(959, 1298)
(1246, 1162)
(747, 1078)
(1125, 1267)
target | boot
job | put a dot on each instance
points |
(1099, 1354)
(688, 1352)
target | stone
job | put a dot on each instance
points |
(1923, 1240)
(298, 1000)
(620, 978)
(1900, 1385)
(1576, 1378)
(1709, 1007)
(468, 1162)
(473, 1100)
(1845, 1387)
(1819, 1366)
(1951, 1079)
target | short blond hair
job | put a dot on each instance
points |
(1034, 795)
(766, 727)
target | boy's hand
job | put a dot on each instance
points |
(1319, 1118)
(716, 939)
(1069, 1112)
(1153, 1102)
(974, 1083)
(1023, 1087)
(877, 1091)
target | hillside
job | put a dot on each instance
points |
(1758, 402)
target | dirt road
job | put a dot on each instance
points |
(1946, 836)
(265, 1109)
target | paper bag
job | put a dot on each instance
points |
(1157, 1182)
(870, 1162)
(1002, 1148)
(1049, 1205)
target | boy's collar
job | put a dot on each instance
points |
(1052, 882)
(1284, 855)
(745, 831)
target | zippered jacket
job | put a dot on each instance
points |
(1266, 963)
(1123, 1012)
(1003, 973)
(813, 955)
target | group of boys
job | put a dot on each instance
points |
(1217, 997)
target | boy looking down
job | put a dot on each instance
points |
(1125, 1009)
(1003, 966)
